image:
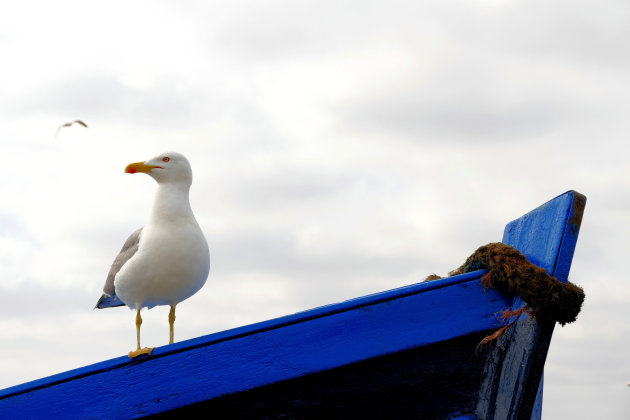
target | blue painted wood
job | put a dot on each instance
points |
(256, 328)
(263, 353)
(547, 236)
(326, 339)
(537, 410)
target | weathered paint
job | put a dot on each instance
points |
(436, 381)
(547, 236)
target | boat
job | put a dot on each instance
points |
(429, 350)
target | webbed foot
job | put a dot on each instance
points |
(140, 352)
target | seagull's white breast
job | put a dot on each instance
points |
(172, 264)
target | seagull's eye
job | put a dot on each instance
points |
(166, 159)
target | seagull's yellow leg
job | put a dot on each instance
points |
(138, 324)
(171, 322)
(138, 351)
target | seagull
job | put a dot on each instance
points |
(68, 124)
(167, 260)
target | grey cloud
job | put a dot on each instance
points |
(594, 360)
(513, 73)
(456, 118)
(463, 103)
(106, 98)
(264, 33)
(276, 251)
(568, 31)
(282, 185)
(30, 300)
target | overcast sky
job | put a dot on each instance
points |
(339, 148)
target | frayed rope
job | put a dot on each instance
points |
(510, 272)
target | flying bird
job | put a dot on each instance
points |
(68, 124)
(167, 260)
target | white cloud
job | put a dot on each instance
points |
(338, 150)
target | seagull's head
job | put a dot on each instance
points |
(164, 168)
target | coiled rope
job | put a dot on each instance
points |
(510, 272)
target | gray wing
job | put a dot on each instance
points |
(128, 250)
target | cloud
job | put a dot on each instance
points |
(587, 355)
(338, 151)
(439, 112)
(167, 103)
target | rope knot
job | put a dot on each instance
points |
(510, 272)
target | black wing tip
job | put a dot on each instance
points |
(107, 301)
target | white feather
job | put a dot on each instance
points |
(173, 261)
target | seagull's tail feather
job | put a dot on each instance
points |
(107, 301)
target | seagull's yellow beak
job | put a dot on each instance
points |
(132, 168)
